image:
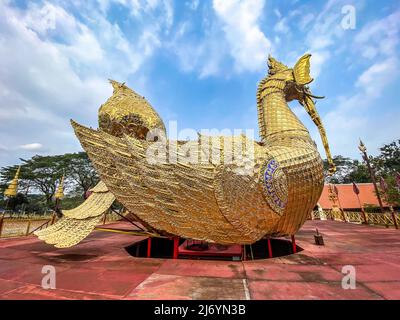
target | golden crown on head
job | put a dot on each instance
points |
(274, 66)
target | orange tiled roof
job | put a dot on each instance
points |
(347, 197)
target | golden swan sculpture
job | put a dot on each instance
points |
(189, 193)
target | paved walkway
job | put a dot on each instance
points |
(100, 268)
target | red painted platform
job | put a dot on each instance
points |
(100, 268)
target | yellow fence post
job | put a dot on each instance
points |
(1, 225)
(53, 218)
(27, 229)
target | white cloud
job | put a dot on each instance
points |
(356, 115)
(323, 34)
(379, 37)
(248, 45)
(34, 147)
(375, 78)
(352, 119)
(230, 33)
(204, 57)
(318, 60)
(193, 4)
(277, 13)
(282, 26)
(55, 66)
(142, 9)
(306, 20)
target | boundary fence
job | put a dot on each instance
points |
(24, 224)
(380, 219)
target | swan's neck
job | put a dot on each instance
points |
(275, 118)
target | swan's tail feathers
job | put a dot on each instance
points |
(76, 224)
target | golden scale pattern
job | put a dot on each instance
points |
(209, 200)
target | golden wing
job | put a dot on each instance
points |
(78, 223)
(301, 70)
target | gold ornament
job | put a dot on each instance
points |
(12, 189)
(60, 190)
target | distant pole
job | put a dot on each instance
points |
(149, 247)
(363, 150)
(385, 189)
(6, 206)
(357, 191)
(176, 248)
(294, 246)
(57, 208)
(340, 206)
(105, 218)
(270, 255)
(59, 195)
(398, 180)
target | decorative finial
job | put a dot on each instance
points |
(12, 189)
(60, 190)
(362, 147)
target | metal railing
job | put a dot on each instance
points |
(17, 226)
(381, 219)
(25, 224)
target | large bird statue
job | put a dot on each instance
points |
(226, 190)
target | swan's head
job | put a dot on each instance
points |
(296, 79)
(294, 83)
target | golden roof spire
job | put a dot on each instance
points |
(12, 189)
(60, 190)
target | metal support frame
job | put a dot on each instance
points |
(149, 247)
(131, 232)
(270, 255)
(176, 248)
(294, 244)
(125, 218)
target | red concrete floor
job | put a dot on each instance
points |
(100, 268)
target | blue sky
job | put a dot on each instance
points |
(197, 62)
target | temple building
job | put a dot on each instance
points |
(347, 199)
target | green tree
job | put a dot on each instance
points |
(387, 165)
(347, 171)
(80, 171)
(392, 195)
(359, 173)
(41, 174)
(44, 173)
(17, 201)
(388, 162)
